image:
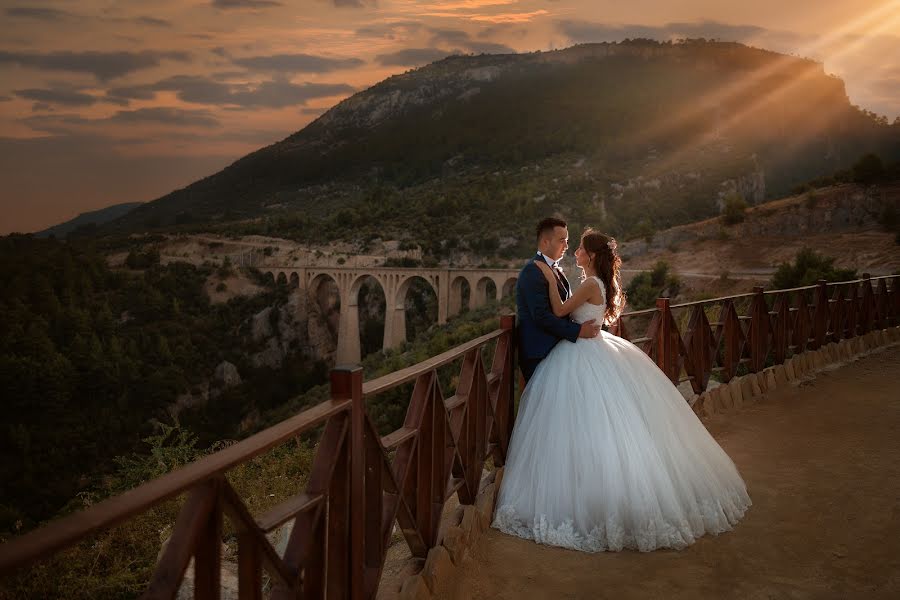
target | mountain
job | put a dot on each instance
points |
(631, 136)
(87, 219)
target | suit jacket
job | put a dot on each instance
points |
(539, 328)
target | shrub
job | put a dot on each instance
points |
(809, 267)
(868, 169)
(226, 269)
(734, 209)
(889, 218)
(405, 262)
(142, 260)
(646, 231)
(118, 562)
(646, 287)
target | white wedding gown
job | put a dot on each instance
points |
(606, 454)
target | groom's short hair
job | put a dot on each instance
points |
(548, 225)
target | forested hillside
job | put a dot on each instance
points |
(90, 357)
(466, 152)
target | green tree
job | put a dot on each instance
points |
(646, 287)
(808, 268)
(868, 169)
(734, 208)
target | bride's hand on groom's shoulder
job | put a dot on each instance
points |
(545, 268)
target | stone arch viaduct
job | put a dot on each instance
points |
(447, 284)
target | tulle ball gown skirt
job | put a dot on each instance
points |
(606, 454)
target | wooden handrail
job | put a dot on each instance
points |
(712, 300)
(361, 482)
(648, 311)
(829, 284)
(385, 382)
(734, 340)
(355, 491)
(64, 532)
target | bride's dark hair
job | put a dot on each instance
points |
(606, 262)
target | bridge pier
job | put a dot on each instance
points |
(394, 325)
(443, 296)
(498, 288)
(348, 350)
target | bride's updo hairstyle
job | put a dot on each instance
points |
(606, 262)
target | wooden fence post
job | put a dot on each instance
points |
(663, 340)
(208, 554)
(346, 382)
(508, 323)
(894, 304)
(760, 330)
(867, 306)
(820, 314)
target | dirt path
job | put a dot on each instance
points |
(822, 464)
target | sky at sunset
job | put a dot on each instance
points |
(110, 101)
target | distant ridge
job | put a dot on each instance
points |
(632, 136)
(86, 219)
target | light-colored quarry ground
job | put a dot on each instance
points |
(709, 258)
(712, 259)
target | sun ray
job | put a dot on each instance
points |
(735, 90)
(773, 71)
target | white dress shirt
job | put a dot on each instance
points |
(554, 264)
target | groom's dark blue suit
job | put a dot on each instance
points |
(539, 328)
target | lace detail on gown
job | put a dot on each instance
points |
(712, 518)
(588, 311)
(606, 454)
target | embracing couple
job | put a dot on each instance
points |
(605, 453)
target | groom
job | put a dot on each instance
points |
(539, 328)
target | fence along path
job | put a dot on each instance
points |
(361, 483)
(691, 341)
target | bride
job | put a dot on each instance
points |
(605, 453)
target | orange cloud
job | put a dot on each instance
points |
(466, 4)
(510, 17)
(523, 17)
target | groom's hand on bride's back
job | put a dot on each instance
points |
(589, 329)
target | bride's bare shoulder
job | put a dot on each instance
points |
(598, 292)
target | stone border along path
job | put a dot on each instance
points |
(859, 557)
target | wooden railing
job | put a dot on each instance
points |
(360, 484)
(692, 341)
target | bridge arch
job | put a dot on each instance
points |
(508, 288)
(485, 290)
(450, 290)
(323, 300)
(460, 296)
(368, 285)
(398, 317)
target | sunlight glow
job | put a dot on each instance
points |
(840, 41)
